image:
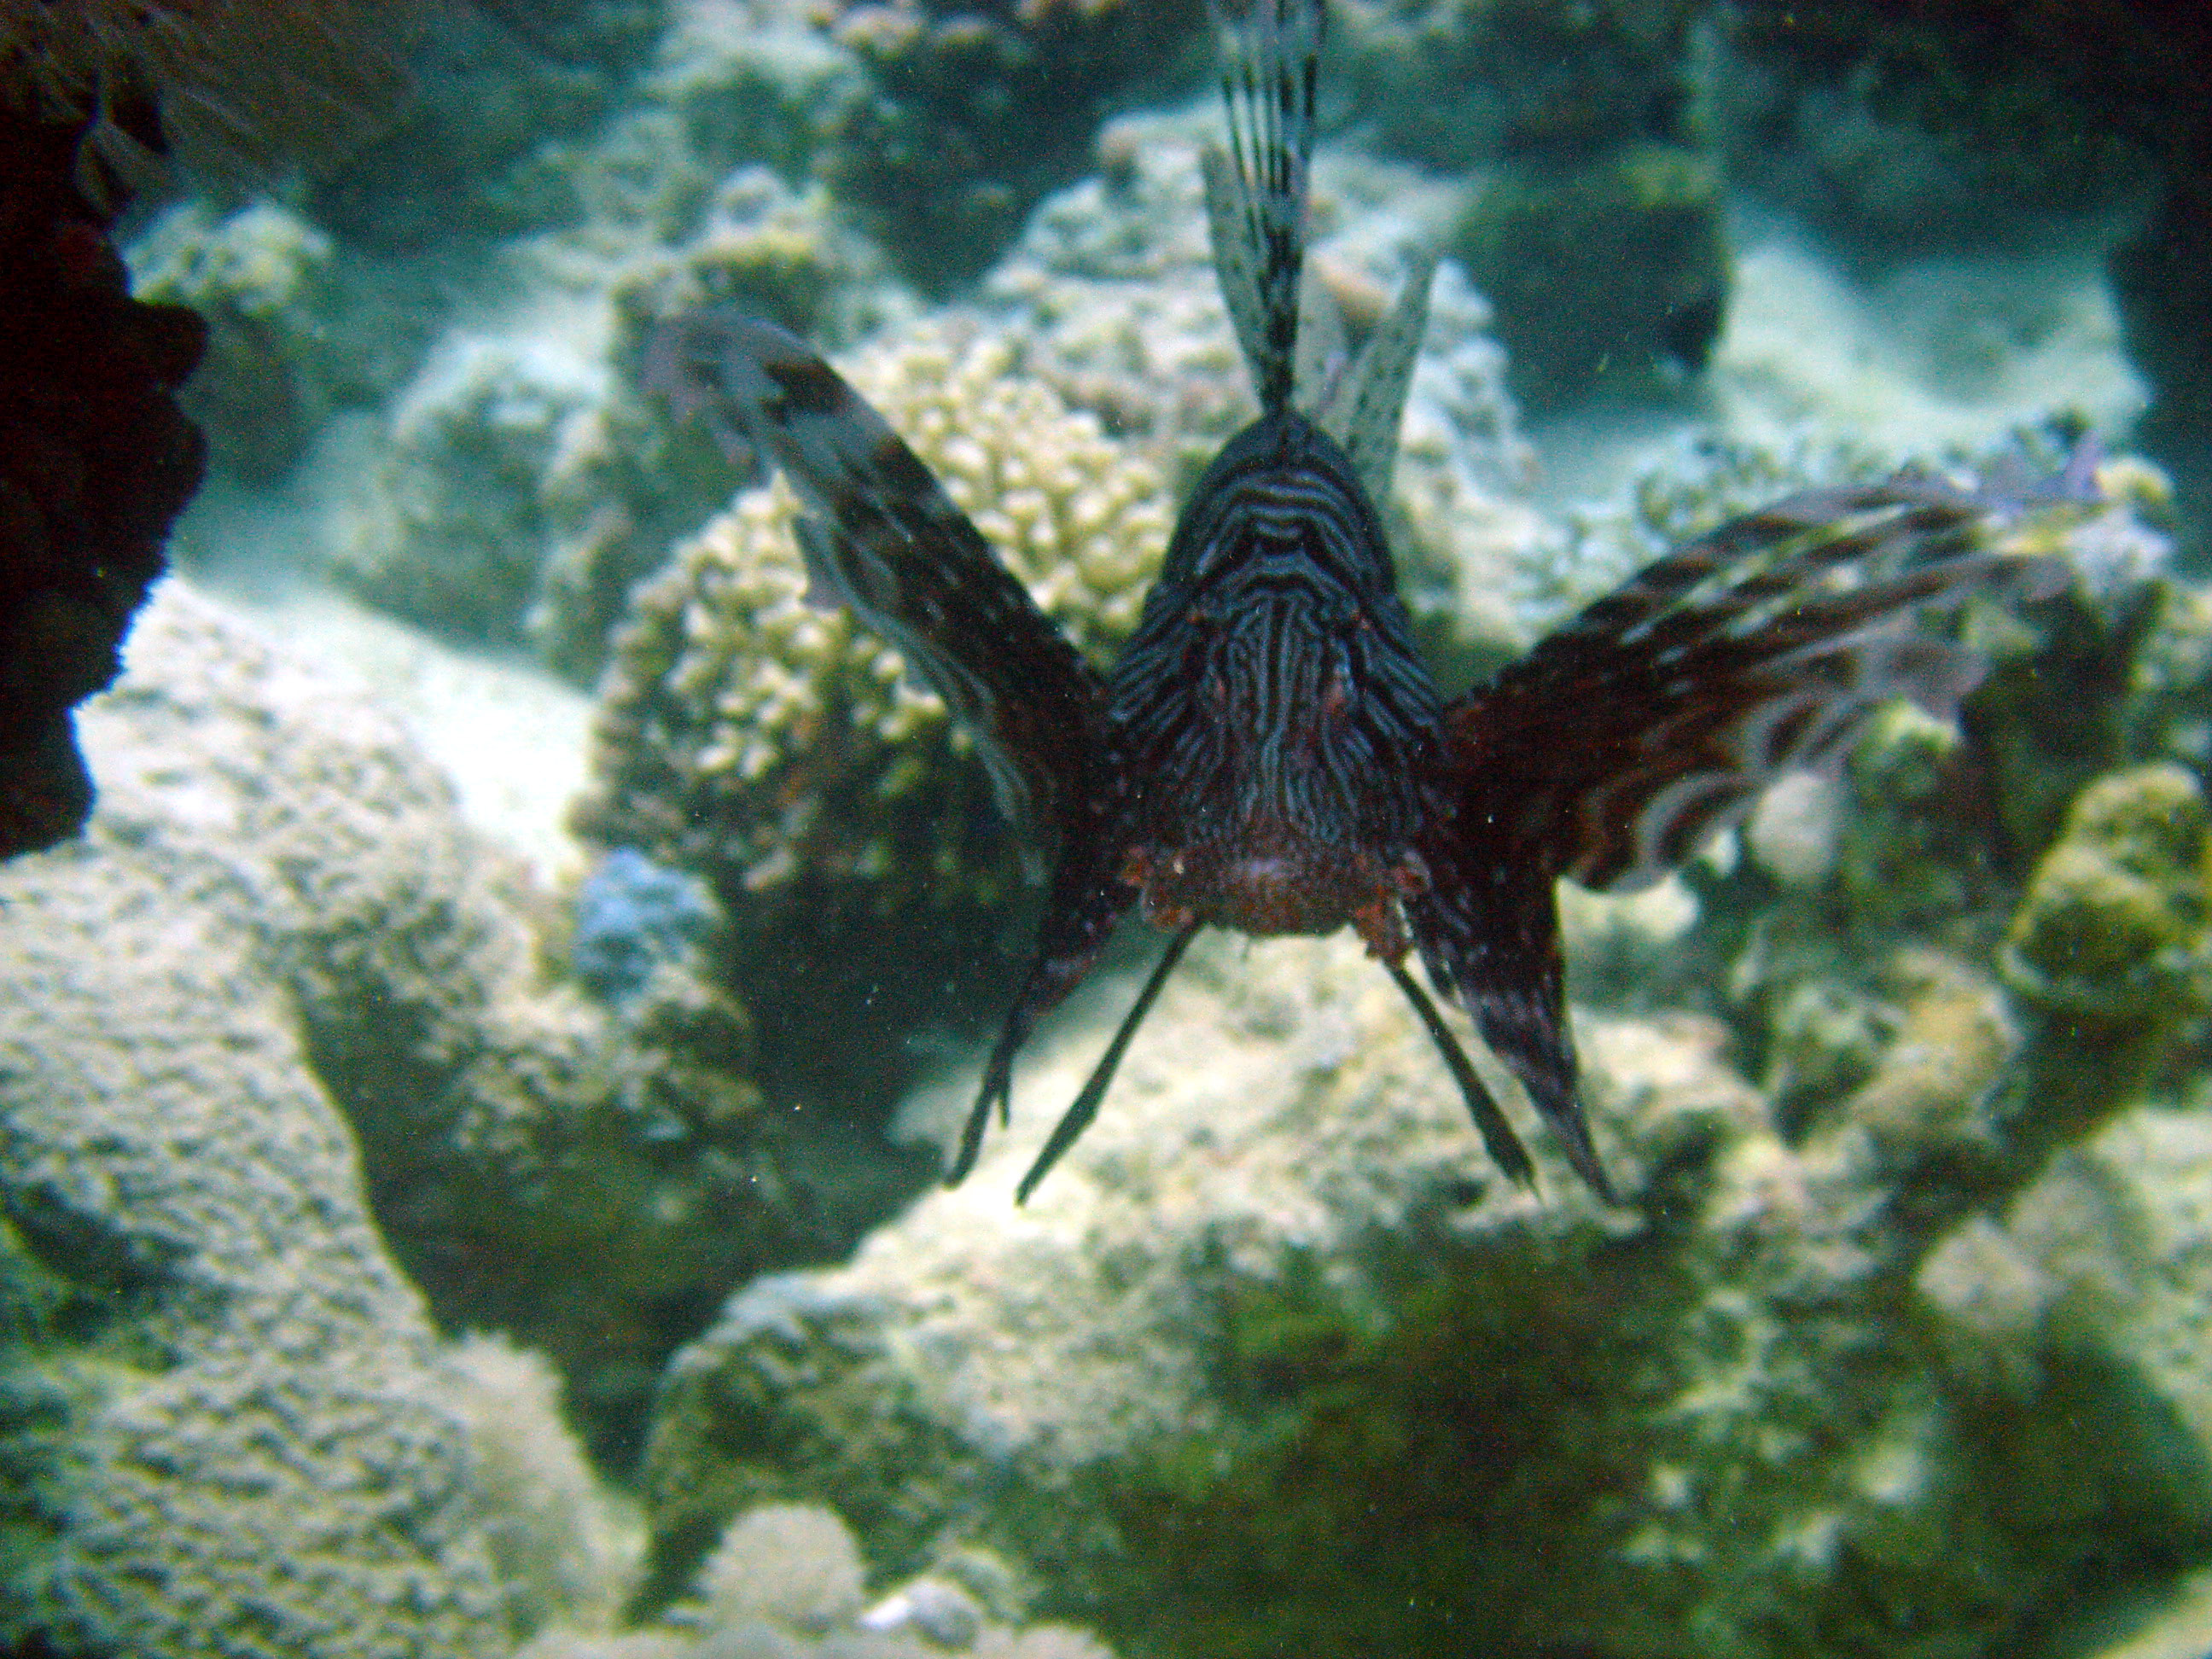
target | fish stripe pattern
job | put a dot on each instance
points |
(1759, 648)
(1270, 753)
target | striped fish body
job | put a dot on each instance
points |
(1274, 722)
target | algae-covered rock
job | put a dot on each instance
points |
(2113, 927)
(1610, 275)
(2094, 1288)
(1273, 1362)
(1901, 130)
(972, 114)
(1459, 83)
(229, 1424)
(785, 1582)
(766, 251)
(503, 105)
(261, 278)
(1952, 1039)
(585, 1180)
(447, 524)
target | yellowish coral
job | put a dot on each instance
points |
(1929, 1092)
(2115, 926)
(753, 734)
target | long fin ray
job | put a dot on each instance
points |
(1236, 256)
(1375, 396)
(1274, 49)
(1323, 357)
(1499, 1139)
(1078, 1116)
(1758, 647)
(1762, 646)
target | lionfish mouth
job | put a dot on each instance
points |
(1270, 881)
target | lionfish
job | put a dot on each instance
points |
(1269, 752)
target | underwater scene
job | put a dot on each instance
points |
(1052, 828)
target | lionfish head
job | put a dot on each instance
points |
(1272, 711)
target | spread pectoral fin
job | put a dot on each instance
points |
(1654, 718)
(882, 537)
(1623, 741)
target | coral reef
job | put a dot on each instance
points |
(1458, 84)
(249, 1037)
(510, 113)
(1110, 290)
(279, 352)
(565, 1548)
(1281, 1315)
(1276, 1363)
(261, 279)
(1593, 225)
(229, 1426)
(1951, 124)
(971, 116)
(447, 524)
(1898, 131)
(496, 481)
(2110, 950)
(755, 83)
(1892, 1348)
(2116, 925)
(510, 1129)
(93, 97)
(767, 250)
(633, 918)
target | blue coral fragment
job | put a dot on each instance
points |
(632, 915)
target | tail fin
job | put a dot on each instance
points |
(1256, 196)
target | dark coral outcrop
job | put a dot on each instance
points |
(95, 463)
(971, 115)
